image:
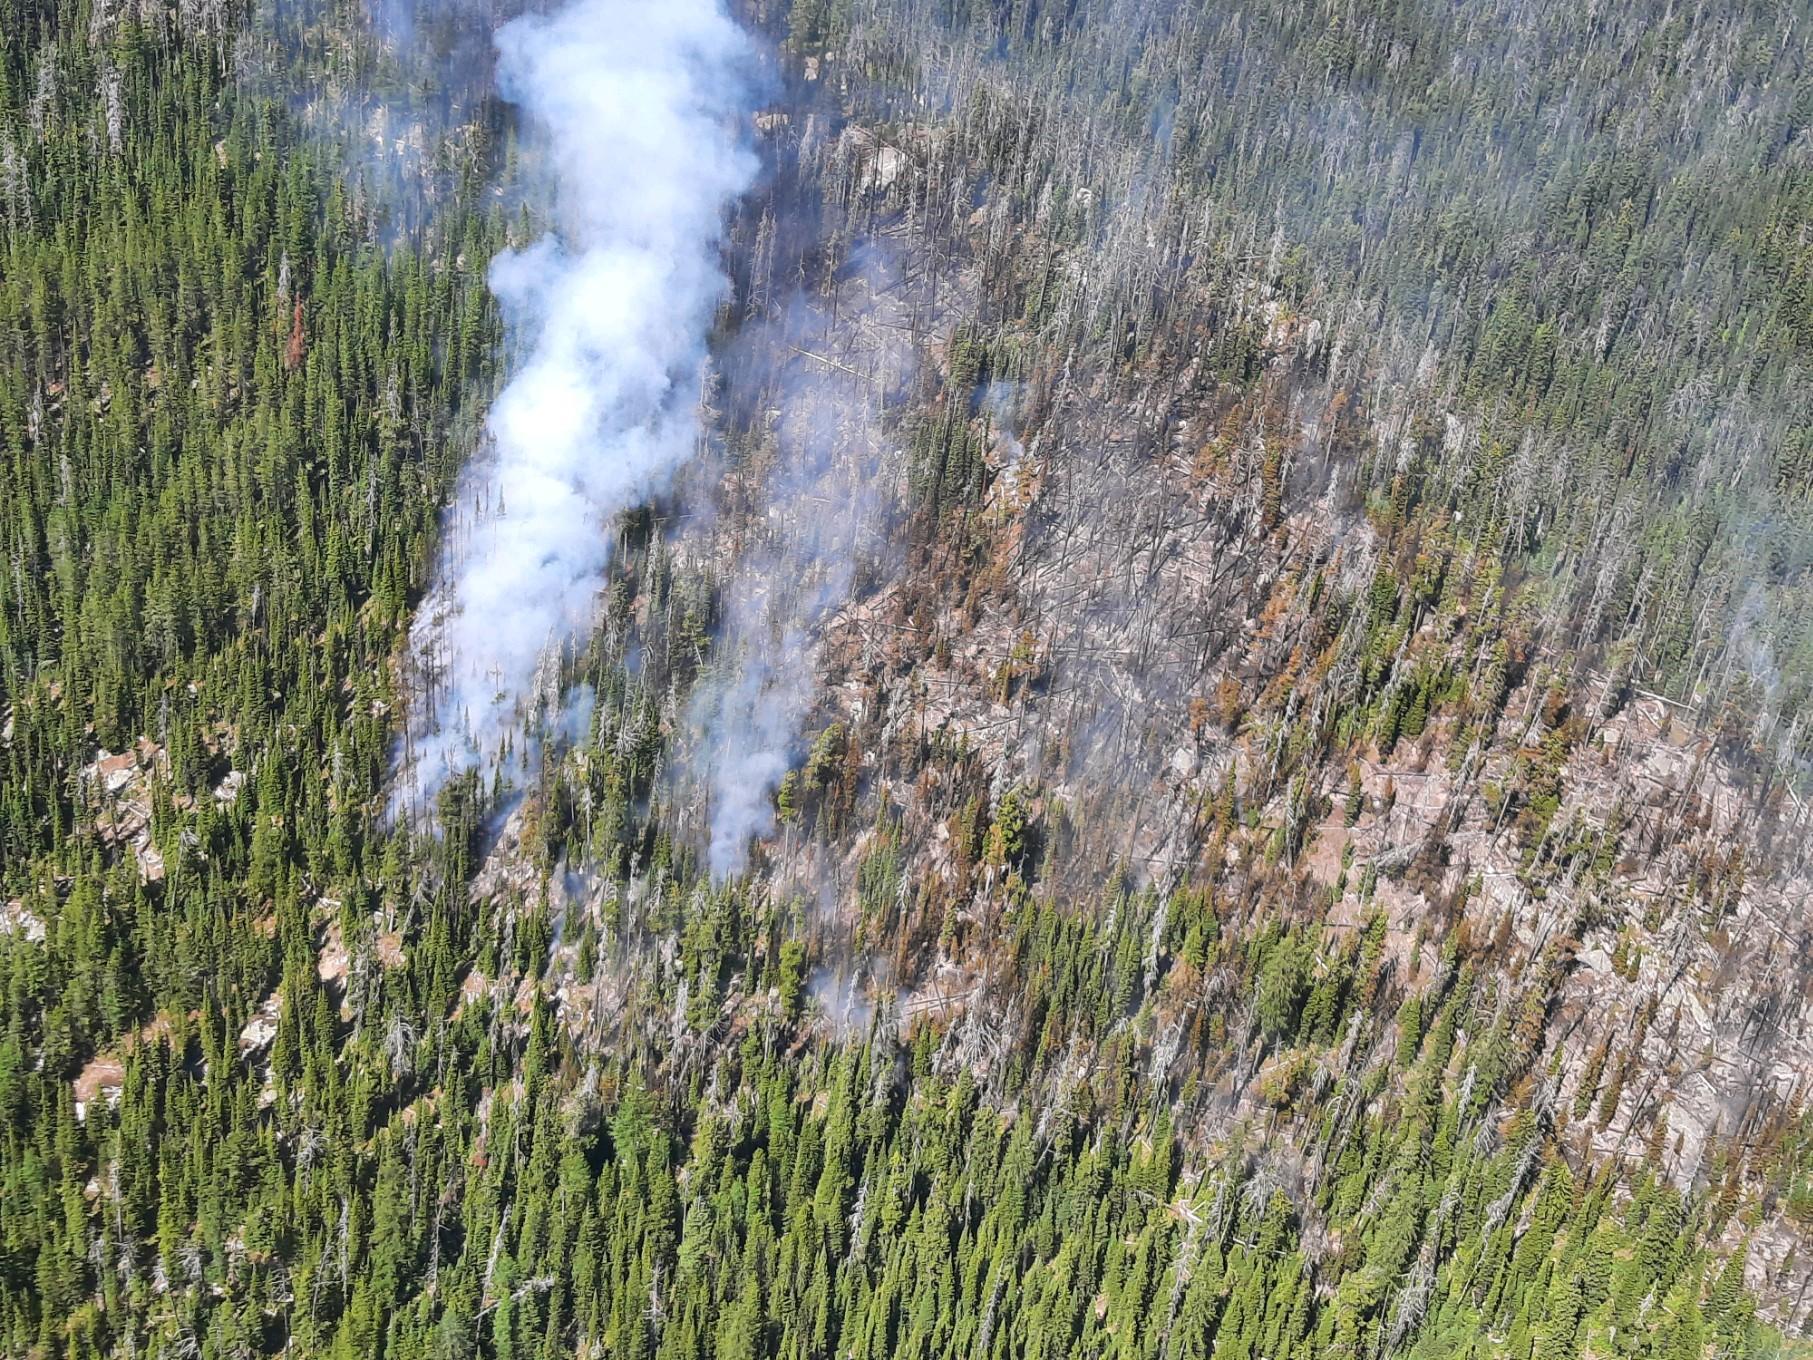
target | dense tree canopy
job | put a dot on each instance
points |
(279, 1075)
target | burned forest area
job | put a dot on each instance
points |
(906, 679)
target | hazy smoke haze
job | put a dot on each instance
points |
(830, 502)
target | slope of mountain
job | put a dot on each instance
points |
(1206, 758)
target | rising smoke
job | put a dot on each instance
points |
(833, 493)
(640, 109)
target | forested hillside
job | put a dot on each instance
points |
(1206, 759)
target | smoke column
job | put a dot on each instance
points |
(833, 494)
(641, 108)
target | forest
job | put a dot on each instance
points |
(1256, 565)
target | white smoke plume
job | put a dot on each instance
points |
(641, 110)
